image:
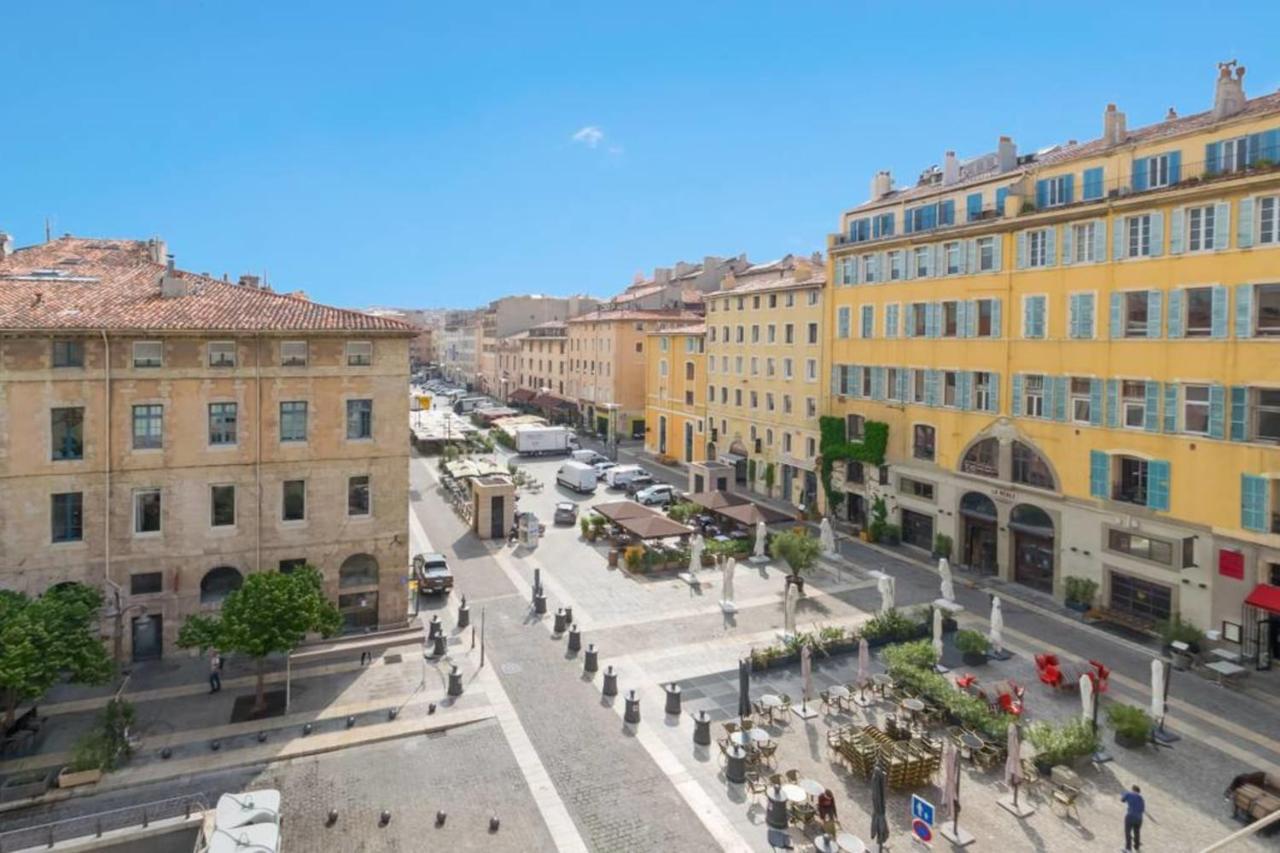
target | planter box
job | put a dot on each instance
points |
(922, 632)
(974, 658)
(1078, 606)
(72, 778)
(1130, 742)
(20, 786)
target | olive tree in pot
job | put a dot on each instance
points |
(798, 550)
(1132, 725)
(973, 647)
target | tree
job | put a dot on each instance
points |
(46, 638)
(270, 614)
(797, 548)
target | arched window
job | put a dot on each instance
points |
(218, 583)
(978, 505)
(358, 570)
(1031, 518)
(1030, 468)
(983, 458)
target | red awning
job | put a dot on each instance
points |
(1266, 597)
(521, 395)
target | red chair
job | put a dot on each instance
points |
(1043, 661)
(1051, 676)
(1103, 672)
(966, 681)
(1009, 706)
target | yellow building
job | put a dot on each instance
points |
(675, 403)
(764, 377)
(1077, 354)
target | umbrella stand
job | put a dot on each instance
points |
(1161, 736)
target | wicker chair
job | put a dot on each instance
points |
(793, 776)
(766, 751)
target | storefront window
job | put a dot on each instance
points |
(1140, 598)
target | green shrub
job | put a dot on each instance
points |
(971, 642)
(905, 656)
(797, 548)
(942, 545)
(1129, 721)
(106, 746)
(682, 511)
(890, 625)
(584, 524)
(1080, 590)
(634, 557)
(1175, 630)
(1062, 744)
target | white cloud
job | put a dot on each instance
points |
(590, 136)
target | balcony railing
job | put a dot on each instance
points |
(1130, 495)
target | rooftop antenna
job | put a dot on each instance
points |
(48, 230)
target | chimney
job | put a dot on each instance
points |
(1228, 94)
(250, 281)
(1113, 126)
(1007, 154)
(881, 185)
(950, 169)
(6, 245)
(1171, 115)
(172, 285)
(661, 275)
(157, 250)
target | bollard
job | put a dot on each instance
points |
(568, 615)
(575, 638)
(455, 681)
(735, 768)
(560, 623)
(590, 661)
(610, 681)
(439, 647)
(673, 699)
(632, 713)
(539, 604)
(464, 614)
(702, 729)
(434, 627)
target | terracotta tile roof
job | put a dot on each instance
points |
(623, 314)
(817, 277)
(89, 284)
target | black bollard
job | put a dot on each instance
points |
(455, 681)
(775, 815)
(575, 638)
(568, 615)
(434, 627)
(702, 728)
(632, 713)
(464, 614)
(673, 699)
(591, 660)
(735, 768)
(610, 681)
(558, 629)
(439, 648)
(539, 604)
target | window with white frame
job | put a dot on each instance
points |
(360, 353)
(1038, 248)
(1157, 171)
(786, 404)
(895, 266)
(1056, 191)
(293, 353)
(737, 364)
(866, 382)
(812, 297)
(921, 261)
(1081, 399)
(867, 323)
(789, 301)
(869, 269)
(769, 403)
(222, 354)
(786, 442)
(919, 319)
(1133, 403)
(1138, 236)
(755, 334)
(810, 407)
(982, 390)
(949, 389)
(812, 333)
(662, 367)
(1033, 396)
(148, 354)
(891, 381)
(986, 316)
(1235, 154)
(1195, 409)
(770, 367)
(843, 321)
(810, 448)
(951, 251)
(1082, 237)
(1269, 220)
(1264, 404)
(917, 386)
(845, 270)
(986, 254)
(787, 371)
(789, 333)
(755, 366)
(1135, 304)
(810, 370)
(1200, 228)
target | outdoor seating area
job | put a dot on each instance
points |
(1065, 675)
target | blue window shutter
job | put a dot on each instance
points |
(971, 318)
(1093, 183)
(970, 257)
(995, 318)
(1244, 310)
(1176, 227)
(1028, 317)
(1175, 167)
(1158, 485)
(1271, 145)
(1253, 503)
(1100, 241)
(909, 327)
(1219, 324)
(1239, 412)
(1099, 474)
(1060, 398)
(1140, 174)
(1086, 316)
(1020, 260)
(1016, 404)
(1221, 226)
(1070, 194)
(1155, 299)
(1050, 247)
(858, 380)
(948, 212)
(1175, 312)
(1117, 238)
(902, 383)
(1171, 407)
(877, 383)
(1073, 315)
(964, 382)
(1157, 234)
(931, 395)
(1042, 193)
(1212, 157)
(1116, 330)
(1113, 403)
(1042, 330)
(993, 397)
(973, 206)
(1244, 224)
(1151, 410)
(1217, 411)
(1001, 194)
(1095, 402)
(836, 388)
(962, 324)
(1067, 234)
(907, 224)
(997, 255)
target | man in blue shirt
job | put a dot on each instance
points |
(1136, 806)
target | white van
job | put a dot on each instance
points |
(578, 476)
(620, 475)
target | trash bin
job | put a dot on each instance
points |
(613, 558)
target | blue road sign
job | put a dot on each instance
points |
(921, 809)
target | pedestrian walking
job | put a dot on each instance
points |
(215, 672)
(366, 657)
(1135, 809)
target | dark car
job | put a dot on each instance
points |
(432, 573)
(566, 512)
(639, 482)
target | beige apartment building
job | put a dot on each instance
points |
(675, 403)
(511, 315)
(606, 367)
(764, 358)
(163, 434)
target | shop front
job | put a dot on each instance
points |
(1139, 597)
(917, 529)
(1260, 632)
(979, 523)
(1033, 547)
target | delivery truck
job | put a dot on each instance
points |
(577, 476)
(535, 440)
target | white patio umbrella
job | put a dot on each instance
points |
(885, 586)
(1086, 698)
(789, 609)
(997, 625)
(761, 533)
(951, 785)
(730, 566)
(947, 587)
(937, 632)
(864, 660)
(696, 544)
(827, 537)
(1157, 690)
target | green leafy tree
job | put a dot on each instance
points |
(46, 638)
(270, 614)
(797, 548)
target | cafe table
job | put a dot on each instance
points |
(812, 787)
(751, 737)
(850, 843)
(771, 703)
(794, 794)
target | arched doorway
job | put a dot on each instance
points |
(1033, 547)
(358, 592)
(218, 583)
(979, 521)
(737, 456)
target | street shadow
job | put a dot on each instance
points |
(730, 619)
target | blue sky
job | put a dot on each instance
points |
(424, 154)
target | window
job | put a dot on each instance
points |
(786, 442)
(1030, 468)
(951, 252)
(1134, 403)
(786, 368)
(1195, 409)
(1200, 228)
(222, 354)
(1266, 414)
(813, 333)
(811, 297)
(358, 495)
(982, 391)
(148, 354)
(1038, 254)
(740, 334)
(1138, 229)
(1056, 191)
(1081, 319)
(770, 367)
(843, 321)
(1267, 297)
(1082, 245)
(737, 397)
(662, 368)
(789, 301)
(222, 506)
(810, 370)
(866, 382)
(755, 401)
(1081, 400)
(1157, 171)
(846, 272)
(359, 353)
(869, 273)
(67, 434)
(1142, 547)
(983, 458)
(771, 335)
(789, 333)
(1033, 317)
(222, 423)
(1199, 312)
(949, 388)
(950, 319)
(986, 254)
(293, 421)
(921, 261)
(67, 517)
(1234, 156)
(146, 511)
(755, 302)
(786, 404)
(148, 427)
(1150, 601)
(1132, 484)
(294, 504)
(917, 386)
(68, 352)
(853, 427)
(293, 353)
(146, 583)
(895, 266)
(1033, 396)
(986, 316)
(769, 404)
(810, 448)
(922, 441)
(292, 565)
(868, 321)
(810, 407)
(1269, 220)
(915, 488)
(891, 381)
(919, 319)
(1135, 313)
(755, 334)
(737, 364)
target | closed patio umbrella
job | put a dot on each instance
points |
(997, 625)
(806, 673)
(1013, 763)
(864, 664)
(937, 633)
(744, 688)
(1086, 698)
(1157, 690)
(879, 822)
(951, 785)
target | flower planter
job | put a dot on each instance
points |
(974, 658)
(68, 778)
(21, 786)
(1129, 741)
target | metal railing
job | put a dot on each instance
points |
(94, 825)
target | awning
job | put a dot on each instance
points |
(550, 401)
(1265, 597)
(521, 395)
(619, 510)
(653, 526)
(751, 514)
(732, 458)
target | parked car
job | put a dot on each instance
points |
(566, 512)
(656, 495)
(432, 573)
(602, 468)
(640, 482)
(588, 457)
(620, 476)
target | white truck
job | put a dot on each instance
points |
(535, 440)
(578, 476)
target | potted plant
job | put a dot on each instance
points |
(798, 550)
(584, 524)
(597, 527)
(1175, 630)
(879, 514)
(973, 647)
(634, 557)
(1080, 593)
(891, 535)
(1067, 744)
(103, 748)
(768, 479)
(1132, 724)
(941, 546)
